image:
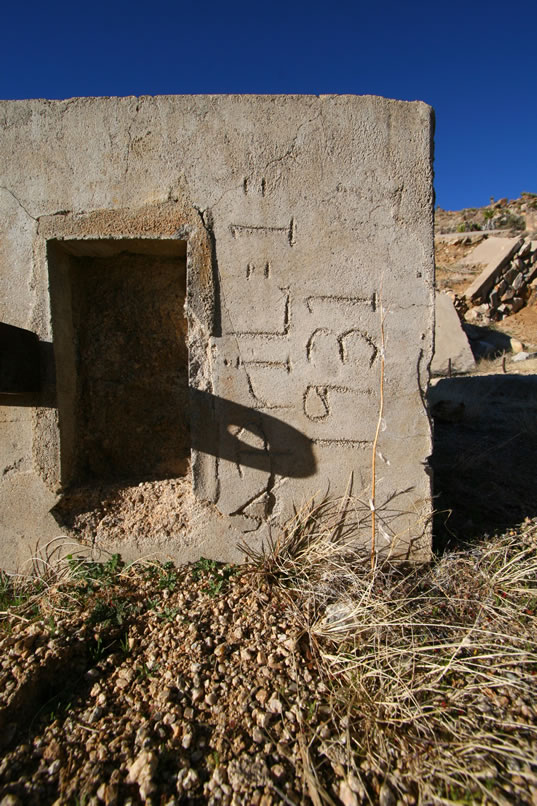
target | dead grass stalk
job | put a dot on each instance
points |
(433, 668)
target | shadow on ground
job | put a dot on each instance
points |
(484, 456)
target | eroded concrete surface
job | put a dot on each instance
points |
(255, 244)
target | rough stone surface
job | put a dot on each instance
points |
(492, 254)
(504, 286)
(290, 228)
(450, 341)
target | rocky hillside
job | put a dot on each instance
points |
(486, 260)
(516, 215)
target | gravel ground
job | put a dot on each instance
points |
(166, 685)
(219, 684)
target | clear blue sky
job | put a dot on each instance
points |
(475, 62)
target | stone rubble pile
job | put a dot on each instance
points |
(504, 286)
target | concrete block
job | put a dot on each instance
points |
(209, 278)
(492, 254)
(451, 346)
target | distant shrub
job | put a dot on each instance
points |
(468, 226)
(510, 221)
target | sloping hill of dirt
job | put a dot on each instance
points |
(514, 215)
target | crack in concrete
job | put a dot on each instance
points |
(12, 468)
(422, 387)
(21, 205)
(129, 149)
(222, 196)
(291, 149)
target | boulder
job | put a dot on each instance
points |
(451, 346)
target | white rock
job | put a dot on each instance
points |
(257, 735)
(274, 705)
(346, 795)
(141, 772)
(516, 346)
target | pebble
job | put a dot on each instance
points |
(386, 796)
(95, 714)
(187, 739)
(257, 735)
(274, 705)
(346, 795)
(262, 696)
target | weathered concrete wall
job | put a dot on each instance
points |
(305, 222)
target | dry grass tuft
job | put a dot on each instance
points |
(56, 582)
(432, 669)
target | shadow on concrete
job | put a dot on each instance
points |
(248, 437)
(218, 427)
(484, 456)
(27, 375)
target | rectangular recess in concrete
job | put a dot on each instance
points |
(120, 344)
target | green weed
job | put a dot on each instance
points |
(144, 671)
(168, 577)
(10, 595)
(124, 644)
(95, 574)
(169, 613)
(110, 613)
(217, 575)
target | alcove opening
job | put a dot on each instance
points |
(120, 347)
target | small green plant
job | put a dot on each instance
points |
(509, 220)
(217, 575)
(213, 759)
(92, 574)
(145, 671)
(97, 651)
(169, 613)
(204, 567)
(168, 577)
(124, 643)
(10, 594)
(310, 711)
(467, 226)
(110, 613)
